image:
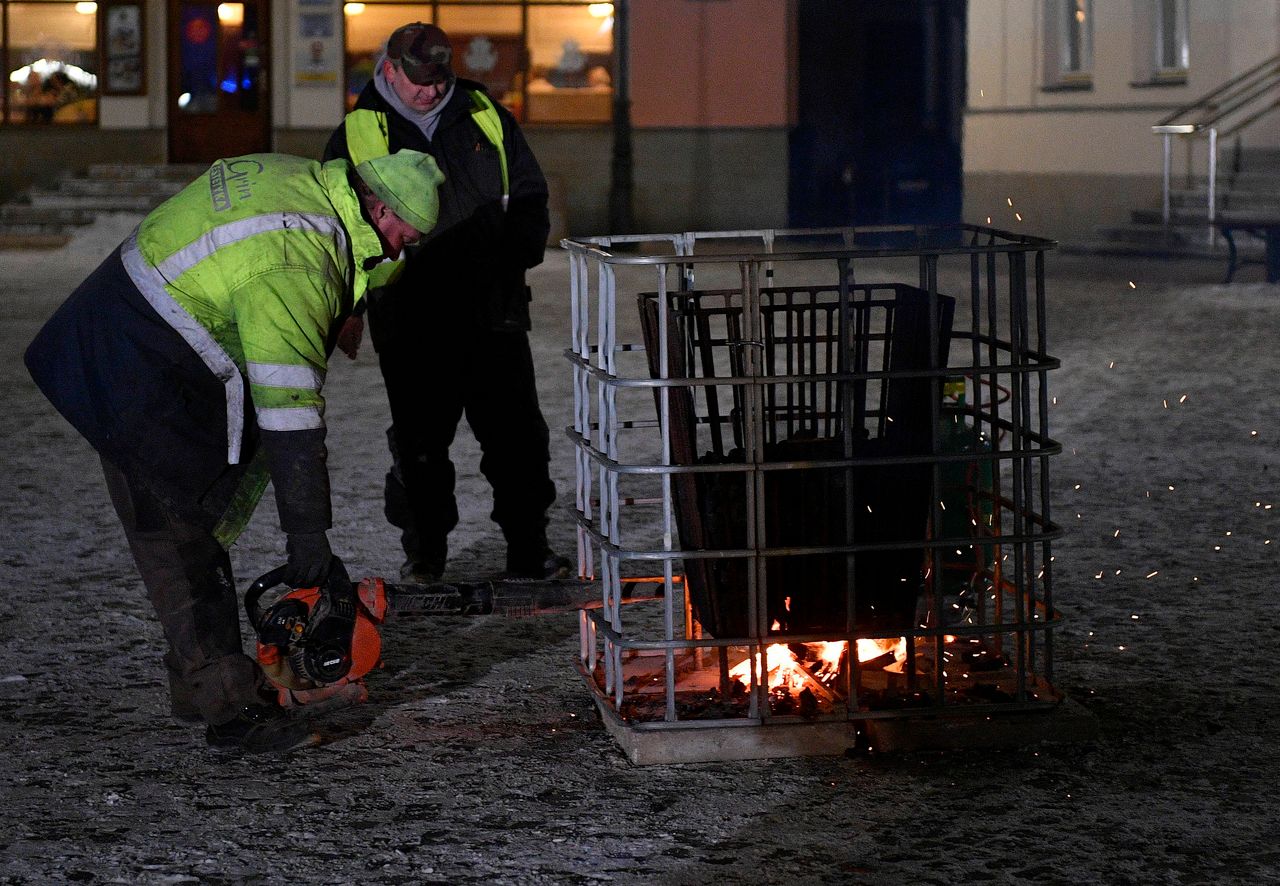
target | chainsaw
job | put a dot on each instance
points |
(317, 644)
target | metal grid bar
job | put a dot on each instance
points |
(763, 340)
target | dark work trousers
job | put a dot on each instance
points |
(188, 579)
(432, 383)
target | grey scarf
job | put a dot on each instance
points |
(426, 121)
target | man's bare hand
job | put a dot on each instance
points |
(350, 336)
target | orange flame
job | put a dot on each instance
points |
(784, 668)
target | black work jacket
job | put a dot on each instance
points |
(470, 268)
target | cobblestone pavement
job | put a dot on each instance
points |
(480, 759)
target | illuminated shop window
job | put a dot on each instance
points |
(50, 55)
(547, 61)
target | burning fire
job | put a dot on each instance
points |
(785, 670)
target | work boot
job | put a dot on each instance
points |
(261, 729)
(544, 565)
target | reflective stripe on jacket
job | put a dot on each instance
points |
(251, 264)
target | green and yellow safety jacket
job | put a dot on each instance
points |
(245, 275)
(260, 255)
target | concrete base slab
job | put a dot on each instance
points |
(1066, 722)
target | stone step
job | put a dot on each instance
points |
(1177, 215)
(26, 214)
(180, 172)
(1153, 234)
(91, 187)
(95, 202)
(1160, 241)
(1261, 160)
(18, 240)
(1235, 199)
(1202, 250)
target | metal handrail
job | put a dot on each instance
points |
(1208, 98)
(1204, 118)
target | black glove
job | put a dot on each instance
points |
(310, 559)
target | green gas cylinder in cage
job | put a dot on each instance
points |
(966, 497)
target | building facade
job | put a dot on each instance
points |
(746, 113)
(1062, 95)
(189, 81)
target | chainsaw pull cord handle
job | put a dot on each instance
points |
(259, 587)
(337, 579)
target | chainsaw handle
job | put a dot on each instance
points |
(260, 586)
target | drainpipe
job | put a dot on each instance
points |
(621, 220)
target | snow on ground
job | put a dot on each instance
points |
(480, 758)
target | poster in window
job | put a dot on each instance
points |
(123, 47)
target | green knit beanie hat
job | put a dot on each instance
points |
(406, 181)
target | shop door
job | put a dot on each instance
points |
(881, 94)
(218, 56)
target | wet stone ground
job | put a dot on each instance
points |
(480, 759)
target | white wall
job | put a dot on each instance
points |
(143, 111)
(303, 106)
(1015, 125)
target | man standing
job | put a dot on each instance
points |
(452, 332)
(192, 360)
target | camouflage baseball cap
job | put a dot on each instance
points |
(423, 52)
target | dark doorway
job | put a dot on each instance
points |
(218, 56)
(881, 93)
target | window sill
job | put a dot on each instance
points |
(1160, 80)
(1069, 86)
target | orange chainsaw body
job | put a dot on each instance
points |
(366, 650)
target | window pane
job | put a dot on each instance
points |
(487, 48)
(220, 58)
(1077, 37)
(1171, 51)
(53, 59)
(368, 26)
(571, 63)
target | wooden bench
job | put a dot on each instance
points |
(1264, 227)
